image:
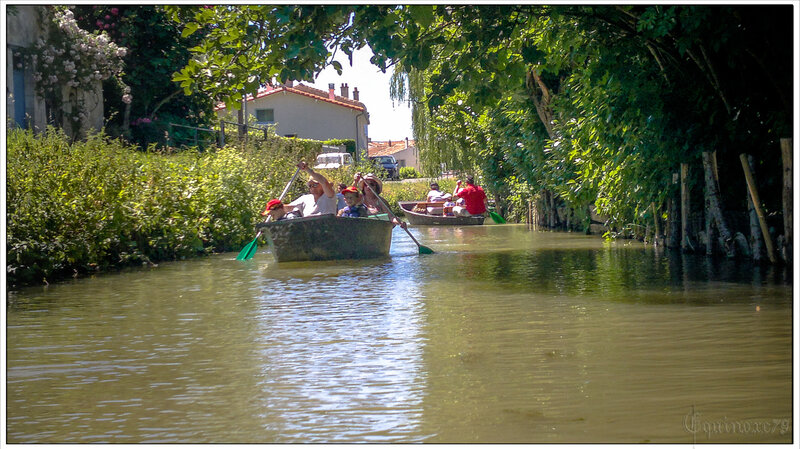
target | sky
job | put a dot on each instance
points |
(387, 121)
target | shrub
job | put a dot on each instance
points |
(74, 208)
(409, 173)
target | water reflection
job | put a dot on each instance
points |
(501, 335)
(342, 353)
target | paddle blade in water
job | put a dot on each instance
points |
(248, 251)
(425, 250)
(496, 217)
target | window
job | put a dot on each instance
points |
(401, 162)
(265, 115)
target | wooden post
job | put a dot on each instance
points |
(786, 150)
(685, 207)
(656, 228)
(755, 242)
(757, 205)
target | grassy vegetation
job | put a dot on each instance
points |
(100, 204)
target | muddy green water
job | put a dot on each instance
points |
(502, 335)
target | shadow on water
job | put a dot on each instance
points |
(620, 274)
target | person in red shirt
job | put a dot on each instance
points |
(475, 201)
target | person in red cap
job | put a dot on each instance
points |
(355, 204)
(275, 209)
(475, 201)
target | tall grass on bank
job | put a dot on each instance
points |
(76, 208)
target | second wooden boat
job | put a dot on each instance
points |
(419, 219)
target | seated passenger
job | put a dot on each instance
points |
(435, 195)
(275, 209)
(320, 200)
(355, 204)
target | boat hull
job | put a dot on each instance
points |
(418, 219)
(328, 237)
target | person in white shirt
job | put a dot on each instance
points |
(435, 195)
(321, 199)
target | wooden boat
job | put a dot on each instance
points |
(418, 219)
(327, 237)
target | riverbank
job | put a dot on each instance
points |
(78, 208)
(75, 208)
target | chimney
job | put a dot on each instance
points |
(390, 143)
(406, 143)
(289, 83)
(331, 91)
(345, 90)
(355, 93)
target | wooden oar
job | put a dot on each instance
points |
(250, 249)
(422, 249)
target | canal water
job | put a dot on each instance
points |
(502, 335)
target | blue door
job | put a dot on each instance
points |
(19, 97)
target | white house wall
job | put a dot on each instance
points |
(309, 118)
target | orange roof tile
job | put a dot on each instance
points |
(385, 148)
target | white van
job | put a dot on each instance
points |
(333, 160)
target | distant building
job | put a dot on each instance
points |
(405, 151)
(308, 113)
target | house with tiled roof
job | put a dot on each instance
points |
(404, 151)
(305, 112)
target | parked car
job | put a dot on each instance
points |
(333, 160)
(389, 163)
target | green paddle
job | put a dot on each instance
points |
(496, 217)
(249, 250)
(422, 249)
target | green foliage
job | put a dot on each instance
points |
(409, 173)
(349, 144)
(156, 49)
(596, 103)
(99, 204)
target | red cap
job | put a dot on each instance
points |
(272, 204)
(350, 190)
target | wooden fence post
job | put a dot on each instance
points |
(786, 150)
(685, 208)
(757, 205)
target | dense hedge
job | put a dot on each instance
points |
(74, 208)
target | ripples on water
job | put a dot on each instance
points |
(502, 335)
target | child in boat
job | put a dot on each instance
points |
(276, 210)
(355, 204)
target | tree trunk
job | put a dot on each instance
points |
(757, 204)
(786, 150)
(714, 207)
(756, 243)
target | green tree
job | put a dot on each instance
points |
(156, 50)
(594, 103)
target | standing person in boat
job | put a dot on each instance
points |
(475, 201)
(277, 210)
(355, 204)
(320, 199)
(374, 204)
